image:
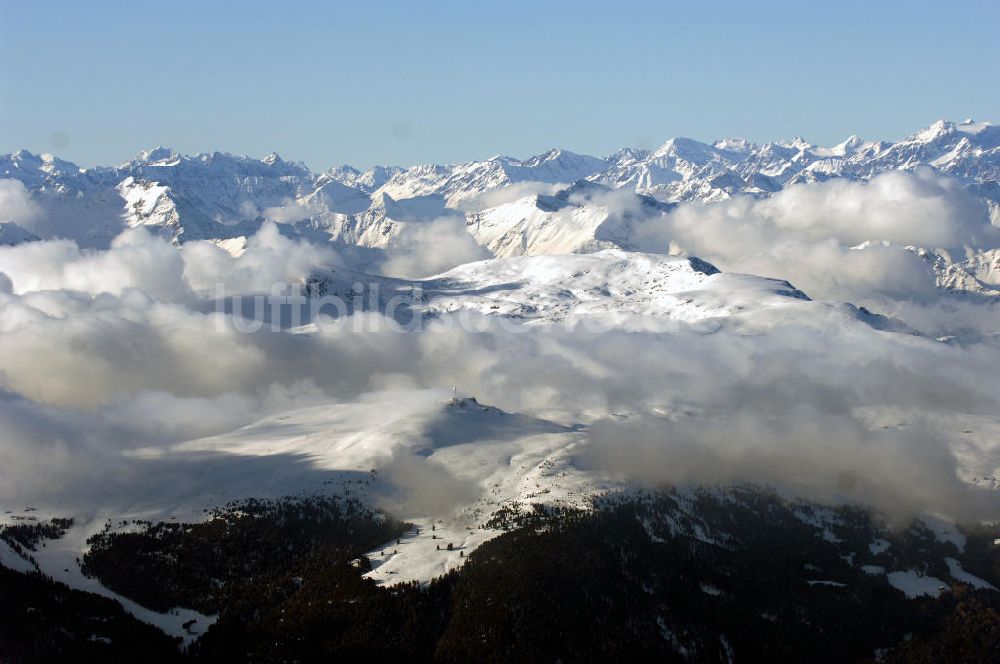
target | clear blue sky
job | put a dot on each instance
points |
(425, 81)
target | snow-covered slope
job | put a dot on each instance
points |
(462, 181)
(611, 286)
(581, 218)
(471, 458)
(441, 460)
(477, 456)
(978, 274)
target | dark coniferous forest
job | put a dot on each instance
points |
(652, 577)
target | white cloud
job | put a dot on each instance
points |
(425, 248)
(269, 258)
(16, 204)
(839, 239)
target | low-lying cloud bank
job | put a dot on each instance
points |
(838, 239)
(111, 350)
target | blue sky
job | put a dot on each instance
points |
(414, 82)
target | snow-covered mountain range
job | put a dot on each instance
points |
(557, 202)
(217, 196)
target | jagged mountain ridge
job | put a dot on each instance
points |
(552, 203)
(227, 189)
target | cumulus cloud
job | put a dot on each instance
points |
(502, 195)
(921, 208)
(422, 249)
(287, 213)
(137, 260)
(811, 438)
(838, 239)
(412, 485)
(16, 204)
(269, 258)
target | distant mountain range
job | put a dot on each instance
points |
(552, 203)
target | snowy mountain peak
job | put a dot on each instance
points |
(554, 153)
(797, 143)
(158, 156)
(558, 154)
(559, 165)
(343, 171)
(367, 182)
(48, 163)
(685, 148)
(934, 132)
(629, 154)
(850, 144)
(272, 159)
(845, 148)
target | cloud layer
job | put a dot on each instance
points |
(839, 239)
(104, 351)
